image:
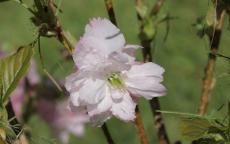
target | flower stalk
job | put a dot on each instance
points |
(138, 121)
(139, 125)
(110, 10)
(214, 39)
(147, 55)
(107, 134)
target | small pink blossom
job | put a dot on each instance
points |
(63, 121)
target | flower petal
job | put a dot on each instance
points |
(118, 94)
(125, 109)
(104, 30)
(92, 91)
(146, 69)
(98, 120)
(103, 106)
(89, 52)
(74, 98)
(144, 80)
(131, 49)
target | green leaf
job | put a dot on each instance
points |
(211, 139)
(6, 131)
(194, 128)
(211, 16)
(12, 69)
(149, 28)
(142, 11)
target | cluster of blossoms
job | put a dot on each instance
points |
(109, 80)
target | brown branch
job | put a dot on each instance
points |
(138, 121)
(107, 134)
(214, 39)
(159, 124)
(61, 37)
(110, 10)
(147, 54)
(140, 127)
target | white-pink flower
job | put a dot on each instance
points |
(108, 78)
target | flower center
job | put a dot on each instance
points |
(115, 79)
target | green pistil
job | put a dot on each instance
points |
(115, 80)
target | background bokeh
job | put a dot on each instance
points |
(183, 56)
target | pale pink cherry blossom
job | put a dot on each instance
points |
(102, 40)
(108, 78)
(63, 121)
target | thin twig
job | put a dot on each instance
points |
(59, 31)
(147, 54)
(156, 8)
(140, 126)
(138, 121)
(214, 39)
(159, 124)
(107, 134)
(110, 10)
(12, 117)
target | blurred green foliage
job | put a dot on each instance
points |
(183, 56)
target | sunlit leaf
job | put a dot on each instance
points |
(12, 69)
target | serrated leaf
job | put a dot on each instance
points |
(12, 69)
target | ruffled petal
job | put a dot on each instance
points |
(103, 106)
(98, 120)
(108, 33)
(131, 49)
(144, 80)
(117, 94)
(89, 53)
(74, 98)
(124, 109)
(146, 69)
(73, 83)
(92, 91)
